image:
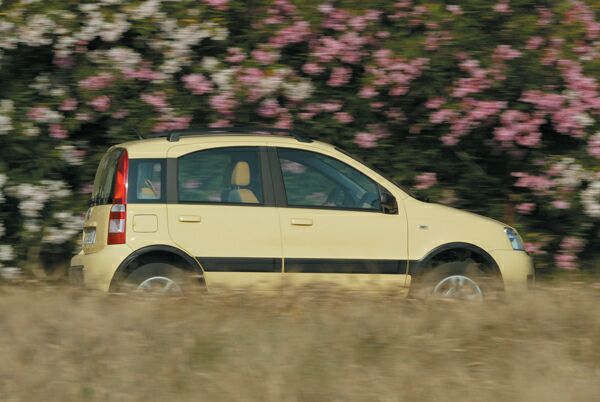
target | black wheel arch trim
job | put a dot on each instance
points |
(420, 266)
(119, 274)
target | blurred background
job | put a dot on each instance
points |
(490, 106)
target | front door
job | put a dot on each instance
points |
(224, 216)
(334, 228)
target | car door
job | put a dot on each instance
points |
(333, 225)
(223, 214)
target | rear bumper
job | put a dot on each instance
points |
(517, 269)
(76, 275)
(96, 270)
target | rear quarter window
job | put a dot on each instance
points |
(146, 181)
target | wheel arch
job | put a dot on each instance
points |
(156, 253)
(422, 266)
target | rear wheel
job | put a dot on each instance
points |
(158, 279)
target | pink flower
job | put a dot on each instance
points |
(285, 121)
(173, 123)
(236, 55)
(68, 105)
(561, 204)
(369, 139)
(366, 140)
(220, 123)
(502, 7)
(426, 180)
(297, 32)
(197, 83)
(144, 73)
(572, 244)
(339, 76)
(64, 62)
(306, 115)
(83, 117)
(454, 9)
(264, 56)
(120, 114)
(343, 117)
(566, 261)
(525, 208)
(442, 116)
(268, 108)
(593, 147)
(534, 43)
(57, 131)
(331, 107)
(221, 5)
(367, 92)
(535, 248)
(157, 99)
(506, 52)
(97, 82)
(100, 104)
(312, 68)
(435, 103)
(223, 103)
(540, 184)
(38, 113)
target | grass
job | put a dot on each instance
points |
(310, 345)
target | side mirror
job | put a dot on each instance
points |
(388, 202)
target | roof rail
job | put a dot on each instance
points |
(175, 135)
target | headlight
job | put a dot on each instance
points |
(515, 240)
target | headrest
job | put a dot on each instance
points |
(241, 174)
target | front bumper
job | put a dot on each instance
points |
(516, 267)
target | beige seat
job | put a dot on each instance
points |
(240, 177)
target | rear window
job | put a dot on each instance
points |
(105, 177)
(146, 181)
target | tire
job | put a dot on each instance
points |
(158, 278)
(456, 281)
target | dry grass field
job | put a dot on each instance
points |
(63, 345)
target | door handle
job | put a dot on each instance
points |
(190, 218)
(302, 222)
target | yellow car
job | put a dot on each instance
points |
(233, 208)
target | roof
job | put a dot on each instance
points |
(157, 144)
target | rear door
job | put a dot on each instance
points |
(333, 226)
(223, 213)
(95, 225)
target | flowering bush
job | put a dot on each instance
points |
(490, 107)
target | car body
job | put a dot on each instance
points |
(249, 208)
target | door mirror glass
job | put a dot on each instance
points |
(388, 202)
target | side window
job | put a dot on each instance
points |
(146, 178)
(316, 180)
(220, 175)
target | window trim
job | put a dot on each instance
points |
(279, 183)
(267, 188)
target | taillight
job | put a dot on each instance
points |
(116, 224)
(118, 212)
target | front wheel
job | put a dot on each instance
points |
(456, 281)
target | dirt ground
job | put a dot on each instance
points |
(306, 345)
